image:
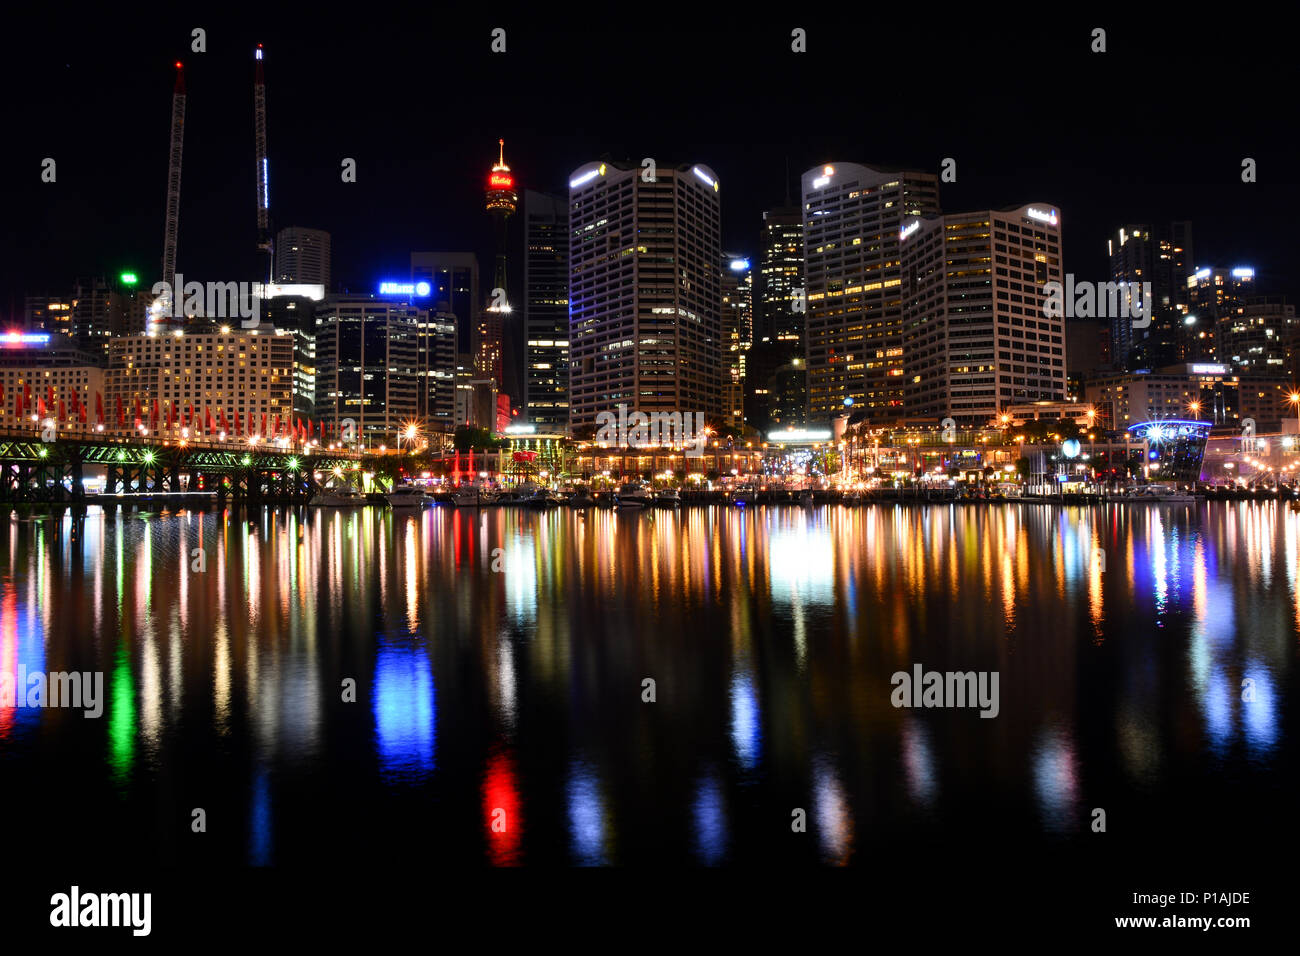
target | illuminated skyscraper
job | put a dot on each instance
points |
(546, 311)
(977, 333)
(1216, 300)
(645, 302)
(779, 275)
(852, 216)
(737, 331)
(1163, 257)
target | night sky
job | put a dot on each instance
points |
(1154, 129)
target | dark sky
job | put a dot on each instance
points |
(1151, 130)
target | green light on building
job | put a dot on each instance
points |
(128, 278)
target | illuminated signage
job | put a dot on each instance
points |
(501, 181)
(798, 435)
(586, 177)
(404, 288)
(17, 340)
(305, 290)
(1243, 273)
(1048, 217)
(908, 230)
(520, 429)
(1199, 274)
(739, 265)
(128, 278)
(1209, 370)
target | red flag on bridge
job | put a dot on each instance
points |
(171, 414)
(153, 416)
(40, 406)
(62, 413)
(49, 396)
(137, 410)
(99, 408)
(251, 424)
(207, 419)
(263, 431)
(239, 423)
(225, 426)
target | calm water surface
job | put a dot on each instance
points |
(499, 660)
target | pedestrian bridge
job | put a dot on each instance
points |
(36, 470)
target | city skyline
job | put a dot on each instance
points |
(419, 189)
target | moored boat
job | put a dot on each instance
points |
(633, 495)
(408, 496)
(668, 498)
(341, 496)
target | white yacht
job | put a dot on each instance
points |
(744, 494)
(340, 496)
(472, 496)
(408, 496)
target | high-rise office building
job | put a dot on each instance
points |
(737, 332)
(453, 277)
(1163, 257)
(367, 351)
(645, 303)
(978, 336)
(852, 218)
(778, 309)
(1260, 337)
(1216, 299)
(90, 315)
(436, 367)
(294, 313)
(302, 257)
(546, 311)
(776, 379)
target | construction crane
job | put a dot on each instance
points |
(263, 171)
(162, 307)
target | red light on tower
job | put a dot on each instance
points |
(501, 197)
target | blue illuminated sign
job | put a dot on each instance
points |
(419, 289)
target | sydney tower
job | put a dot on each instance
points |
(502, 201)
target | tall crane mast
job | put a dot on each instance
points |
(174, 186)
(263, 172)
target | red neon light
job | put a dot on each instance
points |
(501, 181)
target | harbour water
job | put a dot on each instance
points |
(470, 687)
